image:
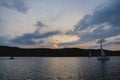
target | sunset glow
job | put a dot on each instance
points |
(60, 23)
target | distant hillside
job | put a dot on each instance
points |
(45, 52)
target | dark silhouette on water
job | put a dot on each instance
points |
(11, 57)
(90, 54)
(102, 53)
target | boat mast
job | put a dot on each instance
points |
(102, 52)
(90, 53)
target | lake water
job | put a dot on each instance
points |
(59, 68)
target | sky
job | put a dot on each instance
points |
(60, 23)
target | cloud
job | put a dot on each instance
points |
(40, 24)
(4, 41)
(113, 41)
(41, 27)
(101, 41)
(19, 5)
(54, 46)
(32, 38)
(63, 38)
(102, 23)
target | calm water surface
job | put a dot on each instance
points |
(59, 68)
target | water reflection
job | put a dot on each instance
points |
(103, 70)
(65, 68)
(59, 68)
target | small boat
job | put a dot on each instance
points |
(11, 57)
(90, 54)
(103, 57)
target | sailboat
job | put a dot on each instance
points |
(102, 54)
(89, 53)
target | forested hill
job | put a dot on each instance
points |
(45, 52)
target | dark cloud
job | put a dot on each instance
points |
(111, 43)
(99, 33)
(29, 38)
(83, 24)
(4, 41)
(14, 4)
(105, 15)
(115, 42)
(40, 24)
(101, 41)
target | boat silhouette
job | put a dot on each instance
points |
(102, 54)
(90, 53)
(11, 57)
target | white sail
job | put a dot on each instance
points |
(102, 53)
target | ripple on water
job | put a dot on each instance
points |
(58, 69)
